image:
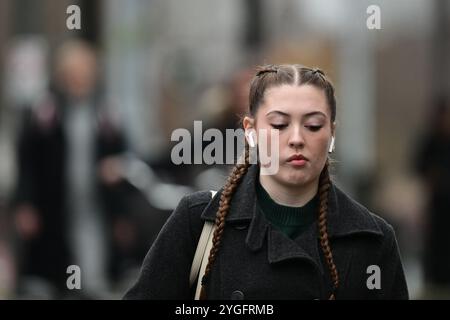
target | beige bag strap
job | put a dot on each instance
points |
(201, 254)
(205, 259)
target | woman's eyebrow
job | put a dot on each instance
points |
(314, 113)
(278, 112)
(306, 115)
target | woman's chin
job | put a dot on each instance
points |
(293, 178)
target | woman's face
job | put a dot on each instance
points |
(302, 117)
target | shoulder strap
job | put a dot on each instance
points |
(201, 254)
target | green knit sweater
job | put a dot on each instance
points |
(292, 221)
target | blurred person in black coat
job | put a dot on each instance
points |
(67, 174)
(433, 163)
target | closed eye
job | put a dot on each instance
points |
(279, 126)
(313, 128)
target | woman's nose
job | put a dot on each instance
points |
(296, 139)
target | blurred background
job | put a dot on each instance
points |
(86, 118)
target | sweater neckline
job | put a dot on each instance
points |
(282, 215)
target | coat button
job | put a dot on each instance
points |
(237, 295)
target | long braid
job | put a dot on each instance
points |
(324, 187)
(230, 187)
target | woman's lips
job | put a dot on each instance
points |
(297, 162)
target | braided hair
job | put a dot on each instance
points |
(266, 77)
(225, 199)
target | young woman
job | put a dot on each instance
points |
(288, 235)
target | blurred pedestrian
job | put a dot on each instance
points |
(67, 176)
(433, 164)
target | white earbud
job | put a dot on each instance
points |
(331, 148)
(251, 140)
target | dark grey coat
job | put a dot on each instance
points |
(257, 261)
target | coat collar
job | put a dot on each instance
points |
(345, 217)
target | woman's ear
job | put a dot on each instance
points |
(248, 123)
(332, 146)
(333, 129)
(250, 132)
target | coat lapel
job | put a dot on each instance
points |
(347, 217)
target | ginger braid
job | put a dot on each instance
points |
(239, 170)
(324, 187)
